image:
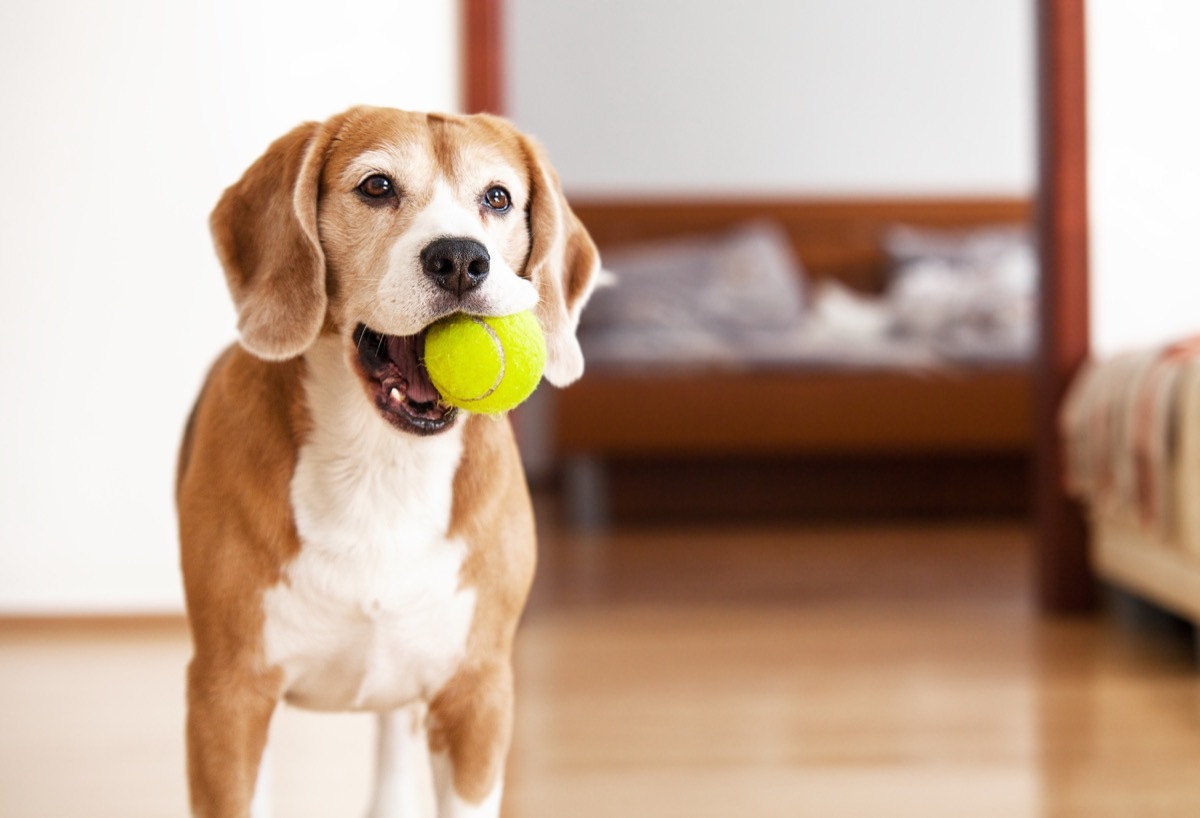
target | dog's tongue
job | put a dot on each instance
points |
(408, 353)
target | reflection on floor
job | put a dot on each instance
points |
(882, 670)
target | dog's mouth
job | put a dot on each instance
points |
(394, 370)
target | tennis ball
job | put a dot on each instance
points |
(486, 365)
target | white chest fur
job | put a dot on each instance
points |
(370, 614)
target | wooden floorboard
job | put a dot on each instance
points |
(788, 670)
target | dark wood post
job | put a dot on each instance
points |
(483, 56)
(1064, 580)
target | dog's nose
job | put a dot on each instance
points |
(457, 265)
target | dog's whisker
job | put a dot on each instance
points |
(367, 324)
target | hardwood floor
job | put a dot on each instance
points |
(774, 671)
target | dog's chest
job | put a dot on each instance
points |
(371, 614)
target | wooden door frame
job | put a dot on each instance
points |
(482, 27)
(1064, 580)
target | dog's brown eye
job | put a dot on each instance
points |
(377, 187)
(497, 198)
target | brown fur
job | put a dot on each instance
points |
(236, 534)
(560, 244)
(268, 246)
(472, 716)
(240, 449)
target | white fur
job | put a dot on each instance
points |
(564, 359)
(403, 785)
(370, 615)
(261, 803)
(451, 806)
(409, 297)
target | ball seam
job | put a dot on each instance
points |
(491, 331)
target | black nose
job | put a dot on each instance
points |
(457, 265)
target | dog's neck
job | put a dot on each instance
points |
(358, 474)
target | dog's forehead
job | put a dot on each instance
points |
(423, 147)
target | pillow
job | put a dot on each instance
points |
(968, 249)
(744, 279)
(973, 289)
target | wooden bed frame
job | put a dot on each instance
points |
(797, 410)
(1158, 571)
(840, 238)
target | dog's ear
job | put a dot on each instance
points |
(265, 231)
(563, 263)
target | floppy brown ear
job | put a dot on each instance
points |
(265, 231)
(563, 262)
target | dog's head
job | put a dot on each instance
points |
(376, 223)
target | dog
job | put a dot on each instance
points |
(348, 541)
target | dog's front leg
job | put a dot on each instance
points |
(471, 728)
(403, 786)
(227, 723)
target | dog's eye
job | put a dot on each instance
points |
(377, 187)
(497, 198)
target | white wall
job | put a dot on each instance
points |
(1144, 171)
(912, 97)
(123, 122)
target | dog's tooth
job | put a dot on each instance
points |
(395, 395)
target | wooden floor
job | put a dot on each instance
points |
(781, 671)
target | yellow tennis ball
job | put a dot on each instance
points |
(483, 364)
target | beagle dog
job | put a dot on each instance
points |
(350, 542)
